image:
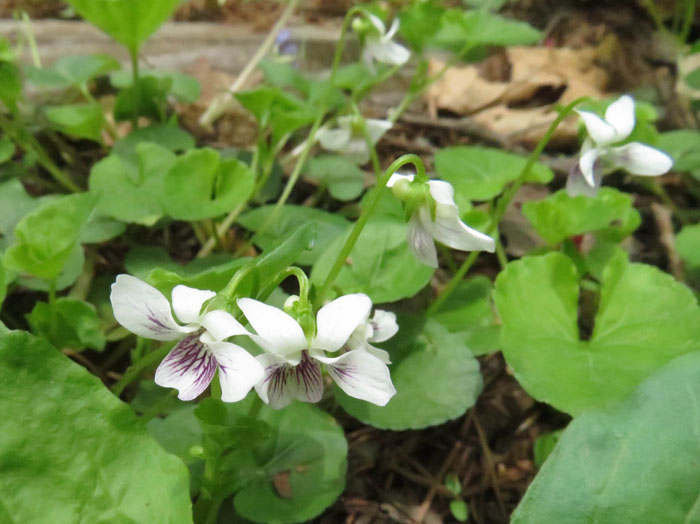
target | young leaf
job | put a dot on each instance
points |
(436, 377)
(129, 22)
(184, 87)
(77, 120)
(636, 461)
(481, 173)
(560, 216)
(380, 264)
(472, 27)
(72, 71)
(73, 324)
(89, 458)
(203, 185)
(46, 237)
(644, 319)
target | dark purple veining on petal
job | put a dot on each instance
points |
(302, 382)
(157, 325)
(191, 358)
(344, 371)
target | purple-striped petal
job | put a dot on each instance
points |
(143, 310)
(189, 368)
(283, 382)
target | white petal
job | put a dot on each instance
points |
(361, 375)
(368, 59)
(398, 176)
(143, 310)
(189, 368)
(336, 321)
(333, 139)
(620, 115)
(452, 232)
(188, 302)
(356, 150)
(442, 192)
(576, 184)
(239, 371)
(221, 325)
(394, 54)
(377, 23)
(283, 383)
(600, 131)
(384, 326)
(640, 159)
(587, 165)
(420, 240)
(279, 333)
(393, 29)
(377, 128)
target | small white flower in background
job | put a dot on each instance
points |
(446, 226)
(293, 364)
(379, 46)
(598, 156)
(381, 327)
(191, 364)
(347, 138)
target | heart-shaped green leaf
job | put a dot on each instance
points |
(644, 320)
(201, 184)
(636, 461)
(129, 22)
(380, 265)
(131, 192)
(436, 378)
(560, 216)
(77, 120)
(72, 452)
(481, 173)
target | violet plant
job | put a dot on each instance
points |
(287, 310)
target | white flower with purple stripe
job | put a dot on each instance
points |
(443, 225)
(192, 363)
(293, 363)
(599, 157)
(347, 139)
(380, 328)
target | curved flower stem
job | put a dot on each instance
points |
(364, 216)
(341, 40)
(137, 367)
(503, 203)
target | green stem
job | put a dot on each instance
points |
(29, 143)
(364, 217)
(503, 203)
(341, 40)
(134, 55)
(688, 17)
(137, 367)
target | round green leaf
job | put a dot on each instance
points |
(77, 120)
(344, 179)
(131, 192)
(436, 378)
(560, 216)
(481, 173)
(644, 319)
(300, 472)
(72, 452)
(203, 185)
(380, 264)
(637, 461)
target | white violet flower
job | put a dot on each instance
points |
(445, 226)
(348, 140)
(598, 156)
(380, 47)
(293, 364)
(381, 327)
(191, 364)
